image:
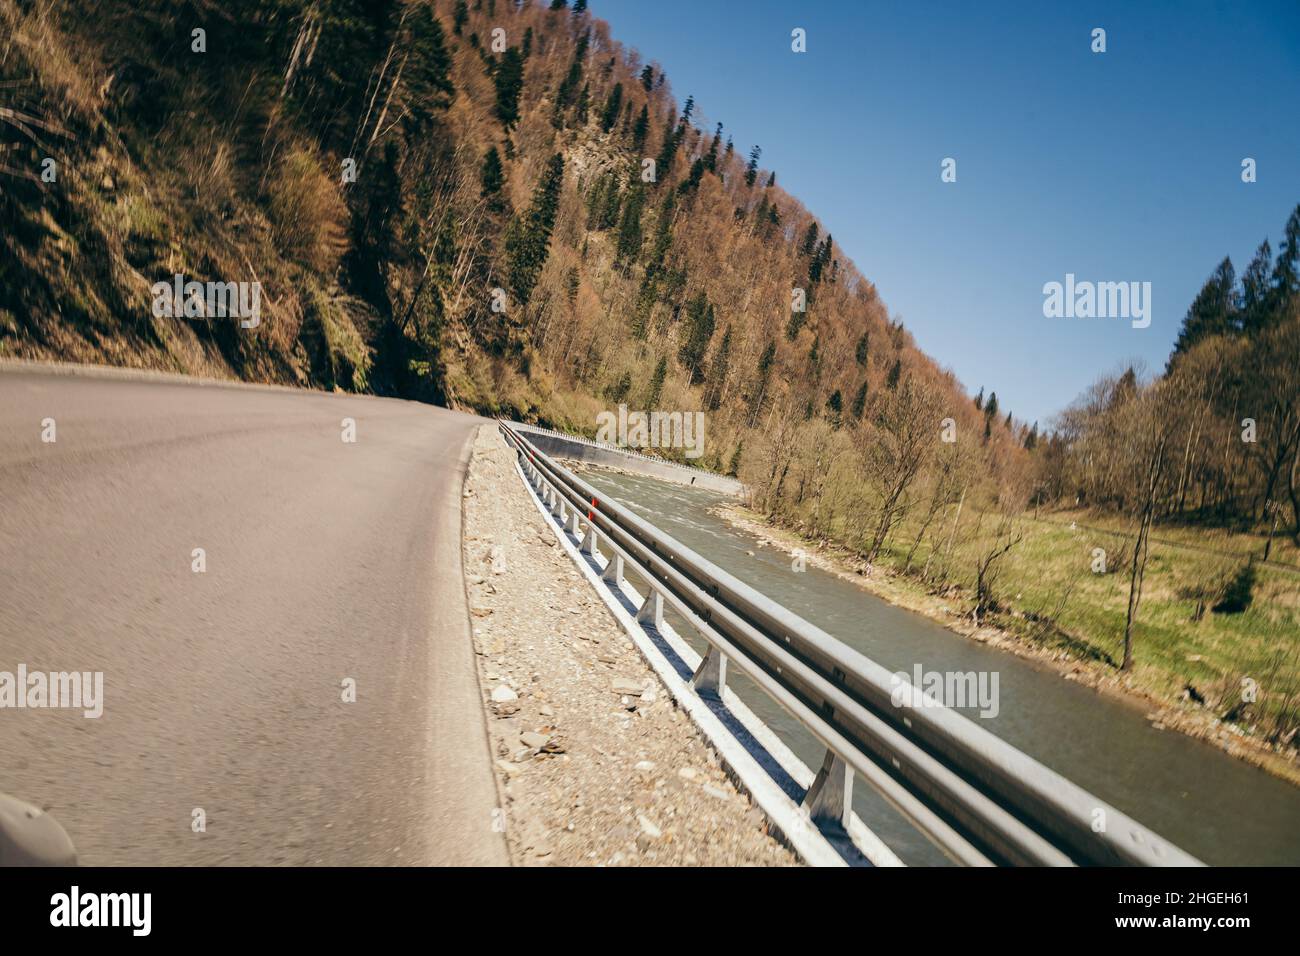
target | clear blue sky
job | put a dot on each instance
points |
(1122, 166)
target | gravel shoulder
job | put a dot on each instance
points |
(587, 775)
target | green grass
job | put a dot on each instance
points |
(1171, 649)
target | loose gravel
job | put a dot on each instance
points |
(595, 763)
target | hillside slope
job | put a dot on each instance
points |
(232, 164)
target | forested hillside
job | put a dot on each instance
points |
(495, 205)
(495, 146)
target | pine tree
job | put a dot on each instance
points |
(711, 157)
(771, 180)
(692, 180)
(528, 42)
(809, 243)
(1286, 274)
(564, 94)
(528, 239)
(667, 151)
(458, 17)
(991, 409)
(648, 77)
(629, 230)
(835, 408)
(1031, 440)
(618, 391)
(559, 4)
(492, 178)
(688, 109)
(860, 354)
(1213, 311)
(859, 402)
(765, 362)
(699, 330)
(508, 78)
(979, 399)
(733, 467)
(579, 8)
(609, 116)
(641, 128)
(1256, 290)
(607, 216)
(797, 319)
(717, 378)
(584, 104)
(427, 76)
(751, 168)
(657, 384)
(895, 372)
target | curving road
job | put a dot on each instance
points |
(223, 690)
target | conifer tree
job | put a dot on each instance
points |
(859, 402)
(717, 378)
(565, 93)
(734, 465)
(751, 168)
(991, 408)
(765, 363)
(1256, 289)
(860, 354)
(895, 371)
(699, 330)
(711, 157)
(609, 116)
(492, 178)
(835, 408)
(641, 128)
(528, 238)
(508, 78)
(809, 244)
(1212, 312)
(629, 230)
(657, 383)
(648, 77)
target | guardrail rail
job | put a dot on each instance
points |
(976, 797)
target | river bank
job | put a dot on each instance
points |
(903, 591)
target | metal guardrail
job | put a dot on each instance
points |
(606, 446)
(977, 798)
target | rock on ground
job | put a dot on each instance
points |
(595, 763)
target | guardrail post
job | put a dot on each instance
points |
(557, 506)
(711, 675)
(830, 798)
(652, 609)
(590, 546)
(574, 527)
(613, 573)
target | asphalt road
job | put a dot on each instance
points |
(223, 690)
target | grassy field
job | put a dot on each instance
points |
(1049, 595)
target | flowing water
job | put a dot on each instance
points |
(1215, 807)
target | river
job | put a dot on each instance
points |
(1214, 806)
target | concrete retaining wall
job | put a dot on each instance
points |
(572, 447)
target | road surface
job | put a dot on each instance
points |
(326, 562)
